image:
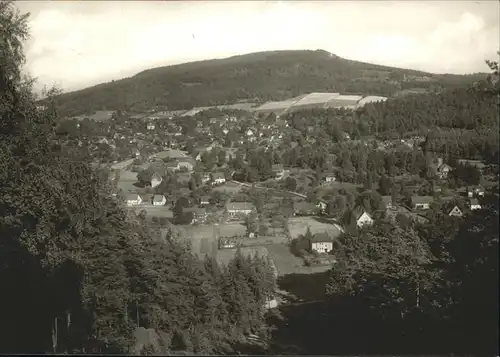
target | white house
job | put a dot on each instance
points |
(187, 163)
(133, 200)
(249, 132)
(156, 180)
(474, 204)
(204, 200)
(456, 212)
(278, 171)
(159, 200)
(361, 217)
(364, 220)
(205, 178)
(218, 178)
(321, 205)
(322, 243)
(239, 208)
(329, 178)
(421, 202)
(151, 126)
(475, 191)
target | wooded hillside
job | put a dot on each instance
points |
(255, 77)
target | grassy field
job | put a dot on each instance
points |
(287, 263)
(156, 211)
(298, 226)
(127, 180)
(344, 185)
(127, 186)
(247, 242)
(202, 236)
(225, 230)
(229, 187)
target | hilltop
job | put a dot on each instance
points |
(255, 77)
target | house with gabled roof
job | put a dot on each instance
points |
(159, 200)
(387, 200)
(186, 162)
(439, 168)
(235, 209)
(217, 178)
(322, 243)
(278, 171)
(474, 204)
(362, 217)
(358, 217)
(199, 214)
(456, 212)
(171, 165)
(204, 200)
(156, 180)
(421, 202)
(475, 191)
(133, 199)
(329, 177)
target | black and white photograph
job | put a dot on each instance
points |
(249, 177)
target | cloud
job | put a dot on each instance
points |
(76, 44)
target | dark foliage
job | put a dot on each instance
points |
(255, 77)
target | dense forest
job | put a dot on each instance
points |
(80, 273)
(456, 124)
(256, 77)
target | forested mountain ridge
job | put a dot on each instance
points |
(254, 77)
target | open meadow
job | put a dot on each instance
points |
(155, 211)
(202, 236)
(287, 263)
(298, 226)
(127, 180)
(228, 187)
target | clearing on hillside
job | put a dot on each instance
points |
(298, 226)
(287, 263)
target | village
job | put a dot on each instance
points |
(180, 168)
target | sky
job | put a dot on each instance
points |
(75, 44)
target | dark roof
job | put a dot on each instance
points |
(158, 198)
(217, 175)
(156, 175)
(453, 208)
(421, 199)
(387, 200)
(195, 210)
(239, 206)
(321, 237)
(476, 163)
(474, 201)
